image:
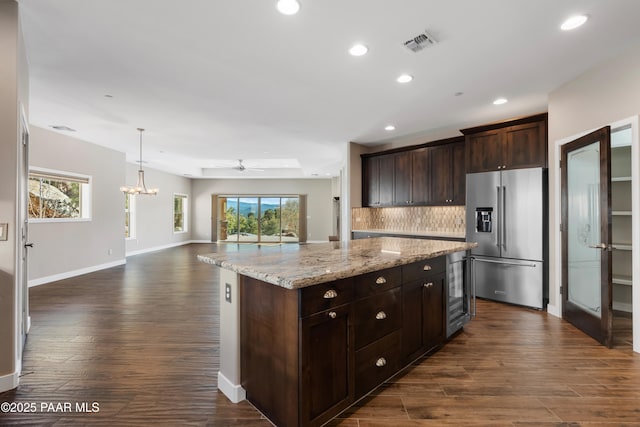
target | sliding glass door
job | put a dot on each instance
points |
(259, 219)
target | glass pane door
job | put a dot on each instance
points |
(270, 219)
(248, 219)
(586, 235)
(583, 187)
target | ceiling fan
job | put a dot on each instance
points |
(241, 167)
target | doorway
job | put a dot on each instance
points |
(623, 222)
(259, 219)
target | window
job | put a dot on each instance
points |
(264, 219)
(129, 216)
(58, 196)
(179, 213)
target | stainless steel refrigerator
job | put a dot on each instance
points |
(506, 215)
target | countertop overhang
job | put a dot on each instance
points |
(295, 266)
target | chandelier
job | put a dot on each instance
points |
(139, 188)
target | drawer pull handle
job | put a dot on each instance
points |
(332, 314)
(428, 285)
(426, 267)
(330, 294)
(381, 315)
(381, 362)
(381, 281)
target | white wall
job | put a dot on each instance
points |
(318, 191)
(603, 95)
(154, 214)
(61, 248)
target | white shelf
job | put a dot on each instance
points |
(621, 213)
(620, 179)
(622, 280)
(621, 246)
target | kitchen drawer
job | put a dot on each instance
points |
(378, 281)
(376, 316)
(377, 362)
(421, 269)
(314, 299)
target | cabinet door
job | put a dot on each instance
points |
(459, 174)
(484, 151)
(432, 311)
(370, 181)
(440, 173)
(328, 359)
(525, 146)
(387, 170)
(411, 320)
(402, 179)
(420, 176)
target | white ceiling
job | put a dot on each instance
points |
(213, 81)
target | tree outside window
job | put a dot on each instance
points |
(54, 195)
(179, 213)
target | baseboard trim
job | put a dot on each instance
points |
(234, 392)
(159, 248)
(9, 381)
(73, 273)
(554, 310)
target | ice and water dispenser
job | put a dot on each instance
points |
(483, 220)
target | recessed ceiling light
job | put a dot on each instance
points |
(404, 78)
(500, 101)
(108, 96)
(358, 50)
(574, 22)
(389, 128)
(458, 94)
(288, 7)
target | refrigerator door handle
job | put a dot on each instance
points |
(498, 220)
(519, 264)
(504, 218)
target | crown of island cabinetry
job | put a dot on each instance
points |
(307, 330)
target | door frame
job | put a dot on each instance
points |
(556, 309)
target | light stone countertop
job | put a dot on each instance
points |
(295, 266)
(447, 234)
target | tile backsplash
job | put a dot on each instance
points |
(449, 219)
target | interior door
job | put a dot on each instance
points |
(23, 220)
(586, 235)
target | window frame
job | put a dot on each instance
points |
(86, 186)
(131, 214)
(185, 212)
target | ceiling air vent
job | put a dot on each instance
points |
(419, 42)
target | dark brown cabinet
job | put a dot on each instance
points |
(447, 174)
(322, 347)
(423, 322)
(402, 178)
(431, 174)
(519, 143)
(378, 179)
(328, 365)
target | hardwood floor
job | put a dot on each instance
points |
(141, 340)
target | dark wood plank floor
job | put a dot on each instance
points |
(141, 340)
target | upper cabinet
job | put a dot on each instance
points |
(447, 174)
(514, 144)
(430, 174)
(377, 180)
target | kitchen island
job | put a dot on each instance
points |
(307, 330)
